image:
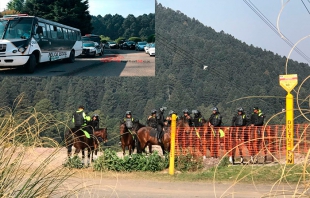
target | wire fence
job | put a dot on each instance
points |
(240, 141)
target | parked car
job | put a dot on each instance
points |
(140, 46)
(91, 48)
(120, 44)
(112, 45)
(146, 48)
(129, 45)
(151, 50)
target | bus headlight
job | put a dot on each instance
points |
(21, 49)
(14, 51)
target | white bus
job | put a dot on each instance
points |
(29, 40)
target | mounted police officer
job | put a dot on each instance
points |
(197, 120)
(160, 122)
(169, 118)
(128, 120)
(95, 122)
(80, 119)
(151, 120)
(186, 116)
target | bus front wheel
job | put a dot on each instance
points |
(71, 58)
(31, 64)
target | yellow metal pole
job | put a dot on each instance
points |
(172, 143)
(289, 128)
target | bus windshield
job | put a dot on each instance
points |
(16, 28)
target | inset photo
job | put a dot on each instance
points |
(97, 38)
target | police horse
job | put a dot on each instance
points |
(147, 136)
(128, 137)
(84, 138)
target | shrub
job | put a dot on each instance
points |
(188, 163)
(136, 162)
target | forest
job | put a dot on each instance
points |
(238, 75)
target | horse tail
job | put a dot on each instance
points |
(138, 144)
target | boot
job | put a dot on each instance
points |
(231, 160)
(159, 140)
(241, 160)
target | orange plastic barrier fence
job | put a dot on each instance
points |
(240, 141)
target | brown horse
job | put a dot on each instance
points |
(147, 136)
(99, 134)
(77, 138)
(128, 136)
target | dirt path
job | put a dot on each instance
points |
(110, 184)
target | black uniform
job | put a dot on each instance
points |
(160, 123)
(152, 122)
(257, 118)
(197, 121)
(239, 120)
(215, 119)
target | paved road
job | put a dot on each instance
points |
(113, 63)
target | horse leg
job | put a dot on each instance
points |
(129, 149)
(69, 148)
(150, 148)
(88, 156)
(123, 147)
(83, 156)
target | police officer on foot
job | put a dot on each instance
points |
(215, 119)
(257, 119)
(239, 120)
(197, 120)
(187, 117)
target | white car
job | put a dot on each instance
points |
(112, 45)
(91, 48)
(146, 48)
(151, 50)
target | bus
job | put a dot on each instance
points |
(95, 38)
(28, 40)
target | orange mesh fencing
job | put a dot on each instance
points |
(240, 141)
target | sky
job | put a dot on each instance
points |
(121, 7)
(236, 18)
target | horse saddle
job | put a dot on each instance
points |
(153, 132)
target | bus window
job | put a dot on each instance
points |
(70, 35)
(53, 31)
(79, 36)
(42, 33)
(65, 33)
(74, 35)
(60, 34)
(48, 31)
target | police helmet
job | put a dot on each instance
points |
(81, 107)
(162, 109)
(186, 111)
(195, 111)
(171, 112)
(153, 111)
(240, 109)
(215, 109)
(128, 112)
(95, 115)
